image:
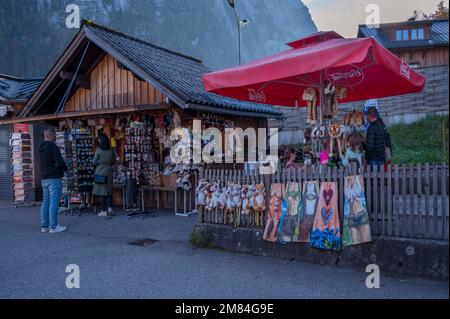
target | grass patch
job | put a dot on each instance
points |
(425, 141)
(201, 238)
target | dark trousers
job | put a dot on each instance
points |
(106, 202)
(131, 192)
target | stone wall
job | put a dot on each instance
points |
(395, 256)
(399, 109)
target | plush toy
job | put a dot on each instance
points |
(216, 200)
(230, 205)
(335, 133)
(244, 201)
(237, 204)
(210, 191)
(200, 198)
(317, 136)
(221, 204)
(259, 203)
(249, 209)
(310, 96)
(308, 159)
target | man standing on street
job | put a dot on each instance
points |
(377, 139)
(52, 172)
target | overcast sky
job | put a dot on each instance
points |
(344, 16)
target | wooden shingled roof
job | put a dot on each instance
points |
(176, 75)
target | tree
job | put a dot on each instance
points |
(440, 13)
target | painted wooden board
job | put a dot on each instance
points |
(308, 207)
(356, 223)
(274, 212)
(326, 232)
(289, 216)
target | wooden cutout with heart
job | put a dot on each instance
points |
(327, 196)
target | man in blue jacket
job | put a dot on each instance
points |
(52, 172)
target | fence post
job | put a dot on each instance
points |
(389, 200)
(419, 219)
(427, 211)
(435, 201)
(382, 200)
(396, 200)
(444, 203)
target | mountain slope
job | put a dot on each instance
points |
(33, 32)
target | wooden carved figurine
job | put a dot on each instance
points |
(259, 203)
(237, 204)
(200, 198)
(251, 200)
(229, 207)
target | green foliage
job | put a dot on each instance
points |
(201, 238)
(425, 141)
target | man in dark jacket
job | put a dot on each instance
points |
(52, 171)
(376, 139)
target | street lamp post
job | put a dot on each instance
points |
(240, 25)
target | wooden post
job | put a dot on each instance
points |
(419, 211)
(389, 200)
(435, 227)
(369, 194)
(444, 202)
(404, 207)
(382, 201)
(427, 211)
(411, 201)
(396, 200)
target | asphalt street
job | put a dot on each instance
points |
(33, 265)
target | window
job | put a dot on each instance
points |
(405, 35)
(402, 35)
(417, 34)
(420, 34)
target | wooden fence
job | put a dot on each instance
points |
(409, 201)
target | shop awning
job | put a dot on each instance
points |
(362, 65)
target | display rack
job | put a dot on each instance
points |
(76, 147)
(22, 169)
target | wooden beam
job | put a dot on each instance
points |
(82, 80)
(58, 116)
(53, 74)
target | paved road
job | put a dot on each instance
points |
(32, 265)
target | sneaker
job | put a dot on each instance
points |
(110, 211)
(44, 230)
(58, 229)
(102, 214)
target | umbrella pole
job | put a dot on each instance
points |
(321, 97)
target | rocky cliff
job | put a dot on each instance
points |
(33, 32)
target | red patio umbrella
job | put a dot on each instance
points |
(362, 65)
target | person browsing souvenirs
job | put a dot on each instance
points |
(52, 167)
(378, 140)
(104, 160)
